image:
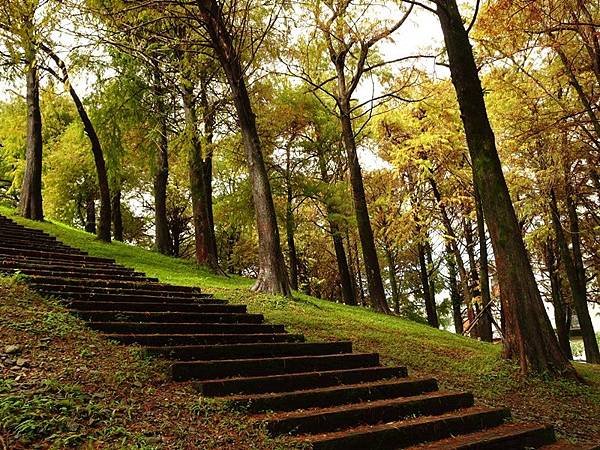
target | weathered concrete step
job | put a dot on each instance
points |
(334, 396)
(8, 251)
(94, 305)
(206, 370)
(19, 231)
(184, 328)
(110, 295)
(405, 433)
(70, 274)
(252, 350)
(513, 436)
(203, 339)
(90, 283)
(296, 381)
(323, 420)
(169, 317)
(26, 264)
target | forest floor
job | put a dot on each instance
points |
(138, 405)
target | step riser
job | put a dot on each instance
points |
(166, 317)
(90, 291)
(40, 247)
(93, 305)
(179, 328)
(167, 340)
(327, 422)
(9, 252)
(87, 295)
(296, 382)
(101, 284)
(355, 394)
(393, 438)
(61, 269)
(208, 353)
(78, 275)
(250, 368)
(15, 260)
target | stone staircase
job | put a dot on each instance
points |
(321, 393)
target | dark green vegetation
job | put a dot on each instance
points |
(457, 362)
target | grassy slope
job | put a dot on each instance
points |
(457, 362)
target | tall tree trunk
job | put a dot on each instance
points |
(162, 237)
(561, 313)
(104, 223)
(430, 309)
(117, 217)
(359, 278)
(393, 281)
(474, 306)
(90, 214)
(289, 222)
(347, 285)
(365, 232)
(485, 328)
(30, 201)
(578, 291)
(430, 273)
(196, 170)
(532, 339)
(455, 297)
(272, 274)
(344, 270)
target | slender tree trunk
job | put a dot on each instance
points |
(162, 237)
(90, 214)
(560, 310)
(578, 291)
(289, 223)
(347, 285)
(30, 201)
(272, 274)
(117, 218)
(474, 306)
(485, 329)
(365, 232)
(532, 339)
(430, 309)
(196, 170)
(344, 270)
(359, 278)
(104, 223)
(455, 297)
(393, 281)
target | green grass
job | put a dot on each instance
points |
(458, 362)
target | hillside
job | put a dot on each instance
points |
(458, 362)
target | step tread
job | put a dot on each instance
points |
(277, 416)
(486, 437)
(401, 424)
(277, 358)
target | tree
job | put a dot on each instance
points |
(530, 337)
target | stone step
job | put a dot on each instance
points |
(51, 266)
(296, 381)
(108, 295)
(405, 433)
(49, 262)
(168, 317)
(9, 251)
(57, 249)
(120, 285)
(36, 244)
(252, 350)
(70, 274)
(185, 328)
(94, 305)
(334, 396)
(20, 231)
(206, 370)
(203, 339)
(514, 436)
(324, 420)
